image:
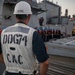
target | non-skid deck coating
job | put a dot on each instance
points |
(57, 66)
(2, 68)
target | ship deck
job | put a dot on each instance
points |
(58, 65)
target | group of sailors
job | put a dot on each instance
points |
(47, 33)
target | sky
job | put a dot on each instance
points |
(66, 4)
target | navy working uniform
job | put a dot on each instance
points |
(20, 43)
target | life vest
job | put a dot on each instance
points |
(16, 43)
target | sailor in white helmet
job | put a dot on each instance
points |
(20, 45)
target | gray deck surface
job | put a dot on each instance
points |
(2, 68)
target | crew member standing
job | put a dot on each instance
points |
(41, 20)
(21, 45)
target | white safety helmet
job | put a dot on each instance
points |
(22, 8)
